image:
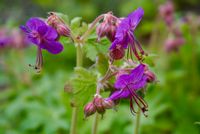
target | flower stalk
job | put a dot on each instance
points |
(137, 122)
(79, 62)
(95, 124)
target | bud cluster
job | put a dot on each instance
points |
(57, 23)
(167, 13)
(108, 27)
(99, 105)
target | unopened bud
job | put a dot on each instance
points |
(117, 53)
(89, 109)
(108, 27)
(98, 104)
(107, 104)
(63, 30)
(57, 23)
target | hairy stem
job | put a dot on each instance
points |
(137, 122)
(95, 124)
(79, 63)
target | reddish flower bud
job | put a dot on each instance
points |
(117, 53)
(98, 104)
(89, 109)
(108, 27)
(63, 30)
(107, 104)
(57, 23)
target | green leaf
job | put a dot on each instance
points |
(84, 85)
(76, 22)
(93, 48)
(102, 63)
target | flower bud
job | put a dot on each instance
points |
(151, 77)
(63, 30)
(108, 27)
(57, 23)
(107, 104)
(98, 104)
(89, 109)
(117, 53)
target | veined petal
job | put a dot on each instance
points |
(137, 73)
(122, 81)
(135, 17)
(119, 94)
(139, 84)
(34, 23)
(51, 33)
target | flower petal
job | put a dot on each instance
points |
(34, 23)
(47, 32)
(53, 47)
(137, 73)
(51, 33)
(139, 84)
(122, 81)
(119, 94)
(135, 17)
(24, 29)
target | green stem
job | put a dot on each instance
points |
(137, 123)
(95, 124)
(79, 62)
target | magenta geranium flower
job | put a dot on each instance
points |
(127, 85)
(42, 35)
(124, 37)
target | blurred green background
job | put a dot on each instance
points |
(37, 104)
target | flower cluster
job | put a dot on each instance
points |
(176, 38)
(45, 36)
(129, 79)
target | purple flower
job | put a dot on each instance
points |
(128, 84)
(124, 37)
(42, 35)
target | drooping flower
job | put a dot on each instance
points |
(108, 27)
(43, 36)
(127, 86)
(124, 37)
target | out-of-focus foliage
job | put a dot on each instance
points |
(31, 103)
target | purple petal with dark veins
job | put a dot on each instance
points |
(34, 23)
(119, 94)
(51, 34)
(135, 17)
